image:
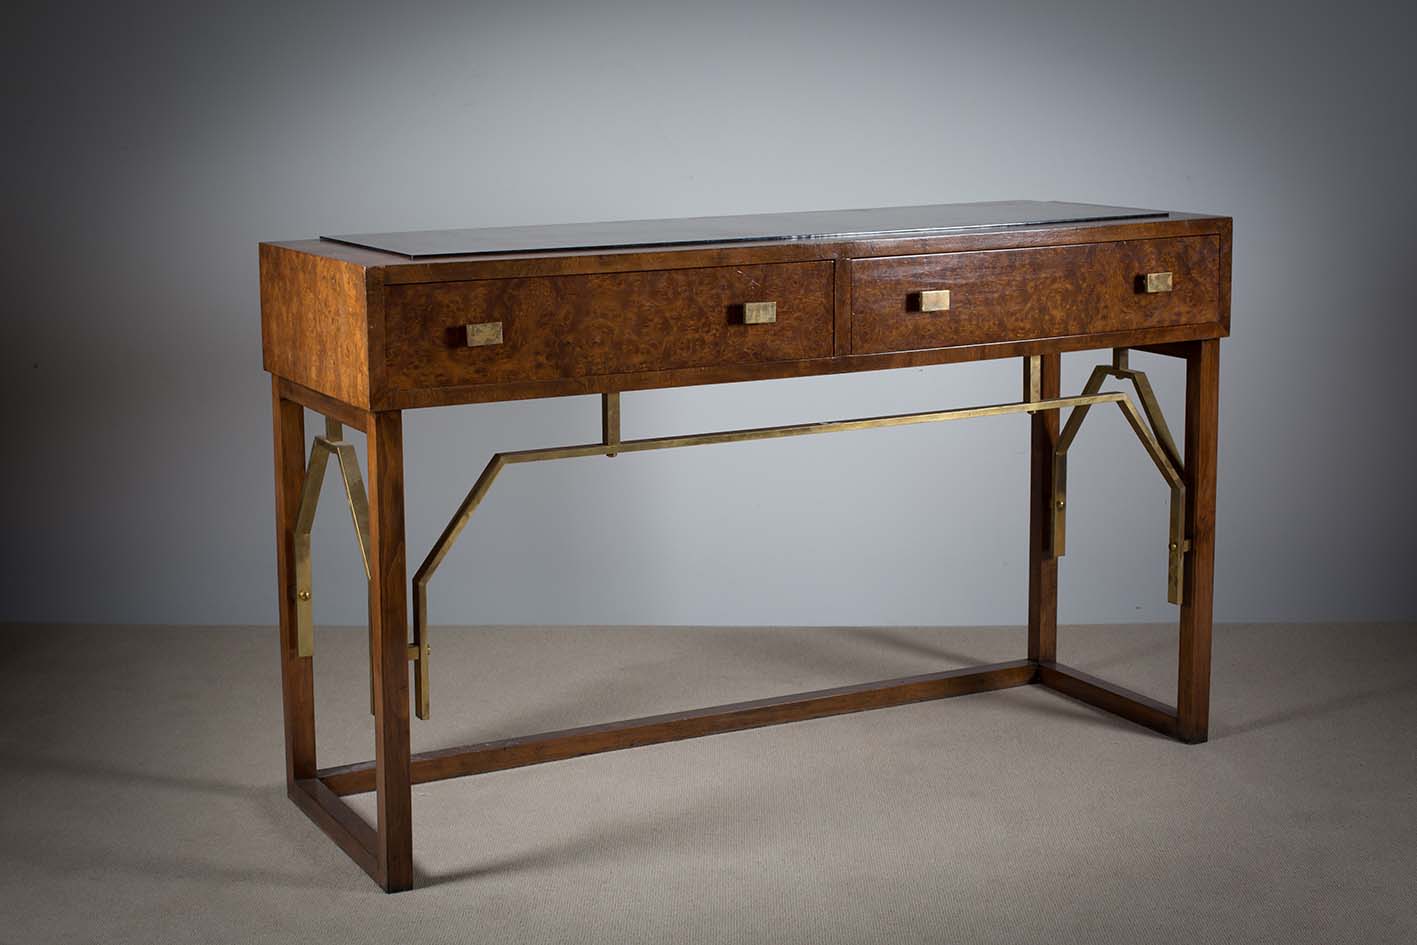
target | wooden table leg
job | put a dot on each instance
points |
(296, 673)
(1202, 422)
(388, 615)
(1042, 563)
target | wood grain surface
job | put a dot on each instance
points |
(361, 326)
(315, 317)
(1202, 433)
(674, 726)
(1050, 292)
(577, 326)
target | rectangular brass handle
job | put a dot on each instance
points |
(483, 333)
(935, 300)
(759, 313)
(1154, 282)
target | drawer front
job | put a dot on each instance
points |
(1022, 294)
(554, 327)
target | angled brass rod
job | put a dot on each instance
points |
(610, 447)
(1071, 426)
(1152, 409)
(355, 496)
(358, 501)
(331, 443)
(1149, 425)
(440, 550)
(460, 518)
(805, 429)
(304, 519)
(1075, 417)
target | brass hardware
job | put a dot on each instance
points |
(1033, 379)
(1149, 424)
(610, 419)
(304, 518)
(935, 300)
(484, 333)
(332, 443)
(1154, 282)
(759, 313)
(419, 653)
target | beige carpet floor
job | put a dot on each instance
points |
(141, 794)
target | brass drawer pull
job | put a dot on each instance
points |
(759, 313)
(1154, 282)
(484, 333)
(935, 300)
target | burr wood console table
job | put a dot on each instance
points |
(359, 328)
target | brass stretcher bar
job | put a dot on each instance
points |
(1148, 424)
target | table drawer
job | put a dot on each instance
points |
(607, 323)
(1021, 294)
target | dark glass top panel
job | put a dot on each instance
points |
(819, 224)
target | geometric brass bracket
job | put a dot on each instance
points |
(358, 500)
(331, 442)
(611, 444)
(1150, 427)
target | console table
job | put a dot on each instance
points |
(359, 328)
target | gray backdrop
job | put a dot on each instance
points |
(147, 152)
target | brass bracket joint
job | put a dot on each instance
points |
(332, 443)
(1149, 425)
